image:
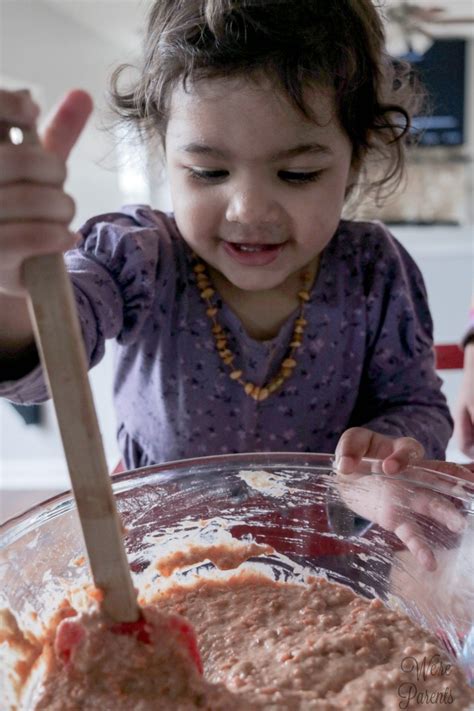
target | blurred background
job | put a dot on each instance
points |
(50, 46)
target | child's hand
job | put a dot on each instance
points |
(395, 505)
(34, 210)
(358, 442)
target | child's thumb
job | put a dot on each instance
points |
(66, 125)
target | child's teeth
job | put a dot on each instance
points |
(246, 248)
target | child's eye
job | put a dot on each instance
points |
(299, 177)
(207, 175)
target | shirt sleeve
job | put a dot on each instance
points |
(400, 393)
(113, 272)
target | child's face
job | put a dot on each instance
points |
(249, 197)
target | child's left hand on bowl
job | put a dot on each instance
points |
(391, 503)
(395, 452)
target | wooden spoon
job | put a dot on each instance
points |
(59, 340)
(61, 348)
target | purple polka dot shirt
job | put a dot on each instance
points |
(367, 356)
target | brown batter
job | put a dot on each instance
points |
(283, 646)
(264, 645)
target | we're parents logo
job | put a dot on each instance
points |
(414, 693)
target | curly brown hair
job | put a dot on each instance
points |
(297, 43)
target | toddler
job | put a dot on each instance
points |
(254, 317)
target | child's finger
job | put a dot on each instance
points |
(439, 509)
(411, 535)
(27, 239)
(31, 163)
(352, 446)
(406, 450)
(67, 123)
(29, 202)
(17, 108)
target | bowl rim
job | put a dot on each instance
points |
(281, 459)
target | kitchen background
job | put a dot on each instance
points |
(49, 46)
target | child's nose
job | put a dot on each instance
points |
(253, 206)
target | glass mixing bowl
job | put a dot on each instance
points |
(346, 528)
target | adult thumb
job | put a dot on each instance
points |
(66, 125)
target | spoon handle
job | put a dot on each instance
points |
(62, 353)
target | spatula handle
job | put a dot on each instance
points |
(59, 340)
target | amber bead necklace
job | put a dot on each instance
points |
(257, 392)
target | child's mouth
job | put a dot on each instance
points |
(252, 254)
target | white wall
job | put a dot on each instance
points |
(445, 256)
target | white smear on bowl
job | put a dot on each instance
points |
(267, 483)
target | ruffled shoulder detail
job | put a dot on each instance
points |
(123, 260)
